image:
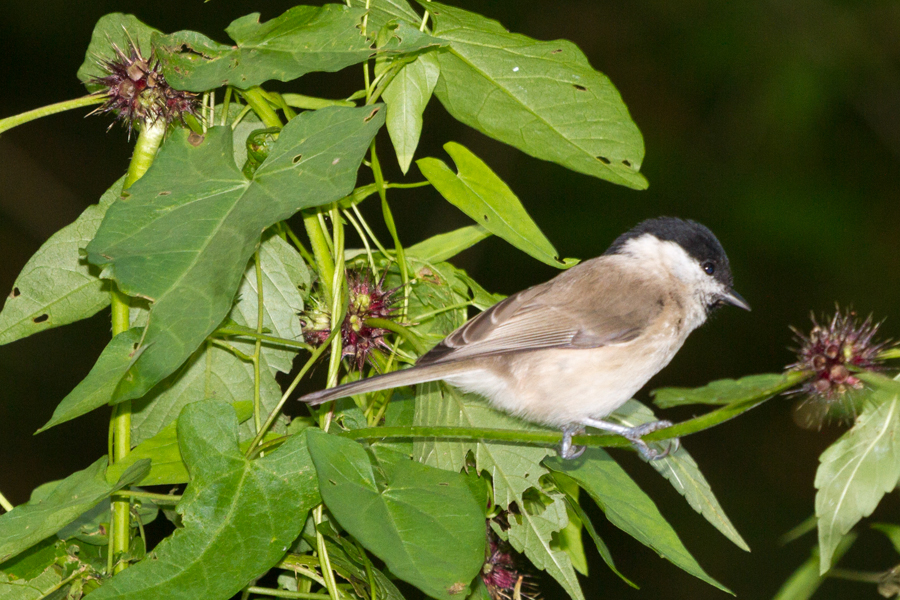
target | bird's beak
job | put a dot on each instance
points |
(732, 297)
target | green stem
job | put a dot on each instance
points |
(313, 103)
(157, 498)
(255, 97)
(860, 576)
(44, 111)
(286, 593)
(148, 142)
(6, 504)
(307, 256)
(389, 221)
(400, 330)
(228, 331)
(407, 186)
(257, 348)
(322, 254)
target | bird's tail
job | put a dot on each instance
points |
(394, 379)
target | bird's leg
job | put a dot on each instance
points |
(566, 449)
(634, 435)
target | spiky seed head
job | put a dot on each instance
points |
(505, 573)
(137, 93)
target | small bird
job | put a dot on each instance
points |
(568, 352)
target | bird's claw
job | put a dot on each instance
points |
(635, 434)
(566, 449)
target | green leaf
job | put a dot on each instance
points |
(479, 193)
(406, 523)
(97, 388)
(239, 516)
(531, 532)
(445, 246)
(860, 467)
(284, 274)
(57, 286)
(302, 40)
(193, 220)
(727, 391)
(114, 28)
(683, 473)
(804, 582)
(406, 97)
(29, 523)
(211, 373)
(629, 508)
(541, 97)
(383, 11)
(570, 539)
(164, 454)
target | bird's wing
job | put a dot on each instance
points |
(588, 306)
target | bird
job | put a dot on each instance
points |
(568, 352)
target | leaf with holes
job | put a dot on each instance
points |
(478, 192)
(239, 516)
(629, 508)
(406, 97)
(27, 524)
(680, 469)
(541, 97)
(302, 40)
(57, 286)
(426, 524)
(97, 388)
(728, 391)
(193, 220)
(859, 468)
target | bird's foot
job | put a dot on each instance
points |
(566, 449)
(635, 435)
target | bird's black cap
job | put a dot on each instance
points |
(696, 239)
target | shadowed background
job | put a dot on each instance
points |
(776, 124)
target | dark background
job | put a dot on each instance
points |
(774, 123)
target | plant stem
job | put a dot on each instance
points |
(861, 576)
(400, 330)
(338, 282)
(157, 498)
(6, 504)
(51, 109)
(256, 98)
(286, 593)
(148, 142)
(322, 254)
(233, 332)
(257, 348)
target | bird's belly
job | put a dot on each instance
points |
(558, 387)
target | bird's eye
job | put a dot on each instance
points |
(709, 267)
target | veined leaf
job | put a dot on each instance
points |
(193, 220)
(683, 473)
(425, 523)
(541, 97)
(27, 524)
(240, 516)
(727, 391)
(406, 97)
(57, 286)
(383, 11)
(302, 40)
(478, 192)
(858, 469)
(629, 508)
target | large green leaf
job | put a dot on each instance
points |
(727, 391)
(183, 238)
(212, 373)
(858, 469)
(239, 516)
(541, 97)
(111, 31)
(683, 473)
(628, 508)
(57, 286)
(28, 524)
(301, 40)
(426, 524)
(383, 11)
(406, 97)
(478, 192)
